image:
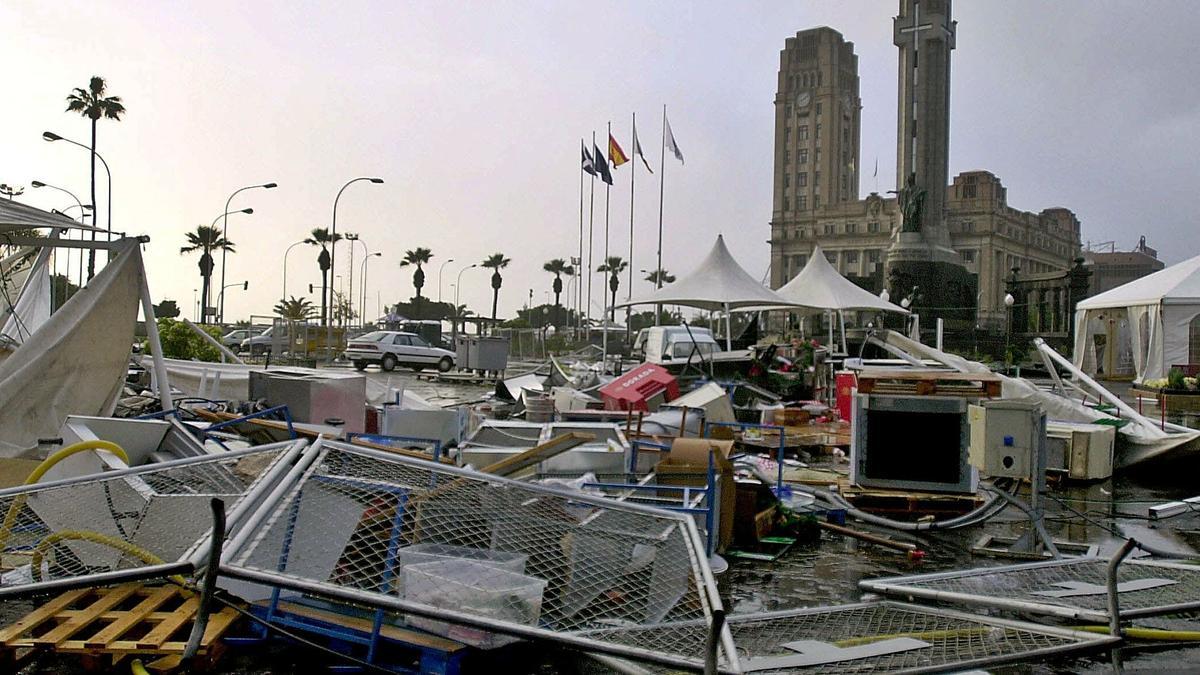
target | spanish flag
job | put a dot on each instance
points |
(616, 156)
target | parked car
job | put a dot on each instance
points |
(389, 349)
(259, 344)
(233, 339)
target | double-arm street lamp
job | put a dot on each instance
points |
(50, 137)
(225, 232)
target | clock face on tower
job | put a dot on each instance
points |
(803, 99)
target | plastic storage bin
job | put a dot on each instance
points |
(474, 588)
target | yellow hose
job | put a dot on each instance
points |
(121, 545)
(14, 509)
(1148, 633)
(136, 668)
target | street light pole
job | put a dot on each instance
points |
(285, 255)
(440, 269)
(457, 288)
(225, 232)
(50, 137)
(362, 281)
(333, 253)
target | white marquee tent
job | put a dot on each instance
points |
(719, 284)
(1145, 326)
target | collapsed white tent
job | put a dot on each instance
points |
(717, 284)
(1148, 325)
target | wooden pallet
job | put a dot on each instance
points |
(928, 383)
(106, 625)
(909, 504)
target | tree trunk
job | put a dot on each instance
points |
(95, 207)
(495, 299)
(324, 297)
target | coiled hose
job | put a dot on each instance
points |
(988, 509)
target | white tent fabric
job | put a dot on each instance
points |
(18, 216)
(717, 283)
(821, 286)
(75, 363)
(1146, 324)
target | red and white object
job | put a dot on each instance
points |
(847, 383)
(643, 388)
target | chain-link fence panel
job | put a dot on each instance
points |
(873, 638)
(479, 558)
(1073, 588)
(133, 523)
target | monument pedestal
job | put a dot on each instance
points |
(945, 289)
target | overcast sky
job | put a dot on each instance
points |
(473, 112)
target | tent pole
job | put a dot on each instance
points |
(160, 366)
(728, 329)
(829, 323)
(842, 324)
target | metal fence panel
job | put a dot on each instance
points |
(873, 638)
(590, 563)
(126, 524)
(1072, 588)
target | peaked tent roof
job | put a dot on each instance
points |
(18, 216)
(1177, 283)
(820, 285)
(717, 282)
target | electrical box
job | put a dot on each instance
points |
(1083, 451)
(1007, 437)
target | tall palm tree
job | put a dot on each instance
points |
(295, 309)
(495, 262)
(93, 104)
(558, 267)
(206, 239)
(321, 237)
(614, 265)
(418, 256)
(659, 277)
(457, 314)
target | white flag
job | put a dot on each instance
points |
(671, 142)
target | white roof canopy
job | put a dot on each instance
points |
(820, 286)
(18, 216)
(1176, 284)
(717, 283)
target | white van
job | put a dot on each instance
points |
(665, 345)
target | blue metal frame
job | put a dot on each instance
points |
(709, 490)
(280, 409)
(399, 442)
(372, 640)
(706, 433)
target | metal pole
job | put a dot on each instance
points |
(333, 261)
(155, 344)
(603, 287)
(576, 295)
(632, 173)
(285, 255)
(209, 585)
(591, 239)
(662, 178)
(225, 233)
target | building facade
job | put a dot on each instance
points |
(989, 237)
(1113, 268)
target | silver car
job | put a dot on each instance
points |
(389, 349)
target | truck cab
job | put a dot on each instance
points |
(665, 345)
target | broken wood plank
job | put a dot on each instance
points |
(538, 453)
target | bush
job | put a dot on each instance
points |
(181, 342)
(1175, 379)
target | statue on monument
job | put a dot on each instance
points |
(912, 204)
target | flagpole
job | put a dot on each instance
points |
(662, 177)
(632, 172)
(604, 290)
(591, 239)
(575, 299)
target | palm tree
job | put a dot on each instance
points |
(418, 256)
(614, 265)
(457, 314)
(321, 237)
(93, 104)
(295, 309)
(659, 277)
(495, 262)
(558, 267)
(206, 239)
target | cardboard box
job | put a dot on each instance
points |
(687, 465)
